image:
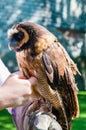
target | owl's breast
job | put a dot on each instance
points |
(29, 65)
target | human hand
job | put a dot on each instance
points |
(16, 90)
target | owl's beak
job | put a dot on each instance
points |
(13, 44)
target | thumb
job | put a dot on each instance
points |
(33, 80)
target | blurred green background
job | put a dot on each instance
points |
(64, 18)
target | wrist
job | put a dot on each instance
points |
(4, 99)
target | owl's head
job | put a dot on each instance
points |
(21, 35)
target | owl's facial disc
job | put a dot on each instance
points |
(17, 38)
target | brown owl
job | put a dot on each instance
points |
(40, 54)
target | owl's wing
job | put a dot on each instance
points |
(60, 70)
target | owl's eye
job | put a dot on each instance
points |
(19, 36)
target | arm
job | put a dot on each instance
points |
(4, 72)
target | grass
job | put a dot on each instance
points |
(78, 124)
(6, 121)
